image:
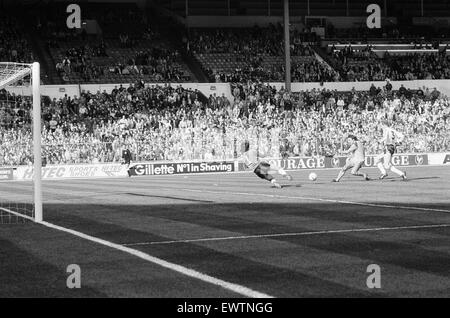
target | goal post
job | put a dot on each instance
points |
(10, 74)
(37, 165)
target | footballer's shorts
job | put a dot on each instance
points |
(262, 171)
(386, 157)
(355, 164)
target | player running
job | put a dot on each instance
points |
(260, 167)
(390, 139)
(355, 160)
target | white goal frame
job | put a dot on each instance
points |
(34, 70)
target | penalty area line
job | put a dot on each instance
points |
(275, 235)
(236, 288)
(377, 205)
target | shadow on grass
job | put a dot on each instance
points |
(250, 262)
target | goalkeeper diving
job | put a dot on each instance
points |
(260, 167)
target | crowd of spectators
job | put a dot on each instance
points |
(13, 45)
(257, 69)
(155, 64)
(254, 41)
(359, 65)
(162, 122)
(258, 54)
(365, 65)
(129, 47)
(315, 122)
(80, 60)
(313, 71)
(419, 66)
(171, 123)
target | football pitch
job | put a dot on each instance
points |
(233, 235)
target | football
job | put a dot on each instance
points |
(312, 176)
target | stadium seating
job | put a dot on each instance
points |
(396, 62)
(14, 46)
(115, 54)
(234, 55)
(125, 33)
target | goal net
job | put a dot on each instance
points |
(20, 142)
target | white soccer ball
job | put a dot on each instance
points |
(312, 176)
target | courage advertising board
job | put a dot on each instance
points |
(300, 163)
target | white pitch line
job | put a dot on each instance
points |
(402, 207)
(239, 289)
(246, 237)
(17, 214)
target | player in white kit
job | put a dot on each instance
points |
(390, 139)
(260, 167)
(355, 160)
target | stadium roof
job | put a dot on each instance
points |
(405, 8)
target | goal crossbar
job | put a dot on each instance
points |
(13, 72)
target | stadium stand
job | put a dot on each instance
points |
(170, 122)
(164, 122)
(131, 48)
(13, 45)
(406, 62)
(236, 55)
(127, 49)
